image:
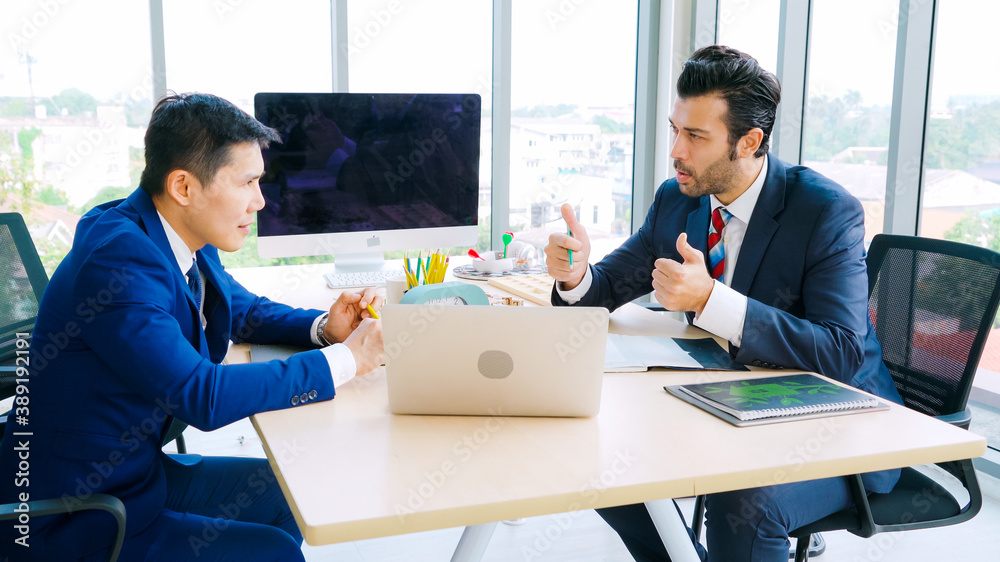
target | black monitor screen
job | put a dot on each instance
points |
(369, 162)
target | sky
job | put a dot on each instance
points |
(102, 52)
(564, 51)
(853, 45)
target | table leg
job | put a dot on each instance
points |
(473, 543)
(672, 530)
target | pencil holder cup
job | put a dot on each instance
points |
(394, 289)
(493, 262)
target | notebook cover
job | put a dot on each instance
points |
(775, 398)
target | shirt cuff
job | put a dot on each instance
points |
(574, 295)
(724, 314)
(341, 361)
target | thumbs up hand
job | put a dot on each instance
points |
(557, 252)
(683, 287)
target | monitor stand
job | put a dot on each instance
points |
(358, 262)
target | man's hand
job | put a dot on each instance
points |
(683, 287)
(365, 342)
(347, 313)
(557, 254)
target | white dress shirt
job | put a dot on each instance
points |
(725, 312)
(338, 356)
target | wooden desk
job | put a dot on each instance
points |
(351, 470)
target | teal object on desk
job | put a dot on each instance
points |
(453, 292)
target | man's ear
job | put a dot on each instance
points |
(179, 185)
(750, 142)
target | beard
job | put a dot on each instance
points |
(718, 177)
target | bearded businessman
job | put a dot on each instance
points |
(131, 333)
(766, 255)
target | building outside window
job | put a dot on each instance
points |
(572, 118)
(71, 137)
(961, 176)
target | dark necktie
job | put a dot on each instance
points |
(716, 250)
(194, 282)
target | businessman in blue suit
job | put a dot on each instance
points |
(131, 333)
(768, 256)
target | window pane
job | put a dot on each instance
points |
(573, 112)
(961, 189)
(846, 135)
(236, 49)
(439, 47)
(77, 93)
(752, 27)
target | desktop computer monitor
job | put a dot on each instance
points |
(361, 174)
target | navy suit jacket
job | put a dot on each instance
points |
(118, 351)
(801, 265)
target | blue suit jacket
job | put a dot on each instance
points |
(118, 351)
(801, 265)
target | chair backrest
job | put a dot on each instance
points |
(22, 282)
(933, 303)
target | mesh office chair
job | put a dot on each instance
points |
(22, 282)
(932, 303)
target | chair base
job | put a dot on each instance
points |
(815, 547)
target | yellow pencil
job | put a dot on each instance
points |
(442, 267)
(372, 312)
(437, 267)
(432, 269)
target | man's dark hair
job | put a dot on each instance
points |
(751, 92)
(195, 132)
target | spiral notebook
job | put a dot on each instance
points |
(775, 399)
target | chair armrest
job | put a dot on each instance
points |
(8, 372)
(965, 471)
(70, 504)
(866, 521)
(960, 419)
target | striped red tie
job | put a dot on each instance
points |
(716, 251)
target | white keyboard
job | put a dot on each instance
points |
(360, 278)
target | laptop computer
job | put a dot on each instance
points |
(494, 360)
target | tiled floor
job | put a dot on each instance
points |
(583, 536)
